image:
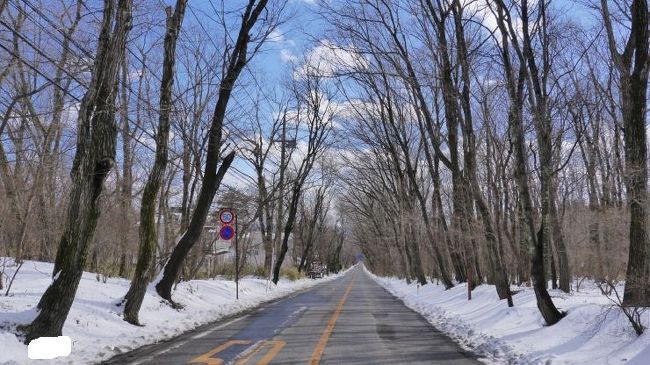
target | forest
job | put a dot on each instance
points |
(496, 142)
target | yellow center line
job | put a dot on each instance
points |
(277, 346)
(320, 347)
(209, 360)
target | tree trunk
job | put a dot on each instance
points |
(528, 69)
(293, 208)
(211, 177)
(126, 189)
(523, 266)
(564, 274)
(633, 67)
(633, 95)
(472, 185)
(211, 181)
(148, 232)
(264, 217)
(94, 158)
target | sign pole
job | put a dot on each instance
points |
(236, 257)
(226, 233)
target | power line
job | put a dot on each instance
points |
(19, 58)
(64, 90)
(55, 26)
(235, 130)
(38, 50)
(87, 53)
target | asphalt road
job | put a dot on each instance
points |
(351, 320)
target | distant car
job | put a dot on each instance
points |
(317, 270)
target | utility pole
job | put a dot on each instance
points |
(284, 144)
(283, 152)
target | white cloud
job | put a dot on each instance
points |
(484, 12)
(328, 58)
(70, 115)
(287, 56)
(276, 36)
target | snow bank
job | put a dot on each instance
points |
(95, 323)
(592, 332)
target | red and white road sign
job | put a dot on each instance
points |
(226, 216)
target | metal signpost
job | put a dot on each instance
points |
(227, 232)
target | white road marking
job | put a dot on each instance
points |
(181, 343)
(206, 332)
(248, 350)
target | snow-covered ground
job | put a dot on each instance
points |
(592, 332)
(95, 323)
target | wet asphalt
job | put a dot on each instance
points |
(350, 320)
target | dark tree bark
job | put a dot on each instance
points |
(148, 232)
(538, 98)
(632, 66)
(126, 188)
(239, 57)
(334, 259)
(515, 86)
(94, 159)
(523, 266)
(311, 226)
(288, 228)
(494, 256)
(211, 183)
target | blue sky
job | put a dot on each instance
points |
(292, 39)
(300, 29)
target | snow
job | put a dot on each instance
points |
(593, 332)
(95, 324)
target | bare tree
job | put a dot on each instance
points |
(314, 112)
(94, 159)
(515, 84)
(632, 65)
(212, 177)
(148, 233)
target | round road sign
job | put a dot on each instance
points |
(226, 217)
(226, 233)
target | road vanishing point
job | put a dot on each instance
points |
(350, 320)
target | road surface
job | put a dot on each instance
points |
(351, 320)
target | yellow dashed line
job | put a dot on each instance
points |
(265, 360)
(209, 360)
(320, 347)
